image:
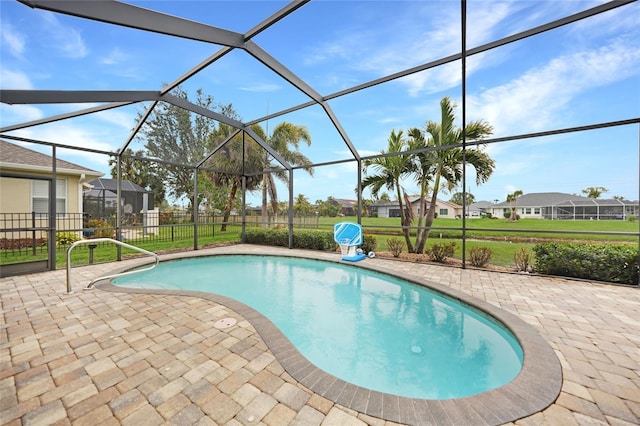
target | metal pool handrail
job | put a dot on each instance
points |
(106, 240)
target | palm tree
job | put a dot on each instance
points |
(594, 191)
(285, 136)
(513, 198)
(231, 161)
(443, 163)
(302, 206)
(390, 169)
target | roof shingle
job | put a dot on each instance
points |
(12, 154)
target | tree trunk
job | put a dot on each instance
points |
(403, 222)
(273, 196)
(227, 209)
(421, 215)
(430, 216)
(265, 212)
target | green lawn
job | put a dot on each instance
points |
(524, 228)
(106, 252)
(503, 237)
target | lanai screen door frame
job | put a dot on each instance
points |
(8, 270)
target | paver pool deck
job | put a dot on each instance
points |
(109, 357)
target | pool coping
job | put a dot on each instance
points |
(536, 387)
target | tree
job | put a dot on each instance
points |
(140, 172)
(230, 161)
(440, 159)
(302, 206)
(594, 191)
(171, 134)
(285, 140)
(512, 199)
(389, 171)
(328, 208)
(457, 198)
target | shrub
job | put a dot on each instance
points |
(522, 259)
(101, 228)
(395, 246)
(20, 243)
(507, 215)
(66, 238)
(480, 256)
(303, 239)
(369, 243)
(601, 262)
(314, 240)
(440, 252)
(632, 218)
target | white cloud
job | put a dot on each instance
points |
(118, 117)
(14, 80)
(12, 39)
(13, 114)
(115, 57)
(66, 133)
(533, 100)
(383, 51)
(64, 38)
(482, 21)
(261, 87)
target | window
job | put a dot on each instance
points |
(527, 210)
(40, 196)
(443, 212)
(536, 210)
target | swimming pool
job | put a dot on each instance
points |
(370, 329)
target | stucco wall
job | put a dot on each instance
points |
(15, 194)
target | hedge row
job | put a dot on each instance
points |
(302, 239)
(601, 262)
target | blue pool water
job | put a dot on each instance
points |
(367, 328)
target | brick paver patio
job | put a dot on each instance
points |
(103, 357)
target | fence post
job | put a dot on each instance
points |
(33, 233)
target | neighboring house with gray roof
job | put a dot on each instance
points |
(25, 175)
(100, 201)
(557, 205)
(347, 207)
(479, 209)
(444, 209)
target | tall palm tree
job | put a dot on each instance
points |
(443, 164)
(302, 206)
(513, 198)
(389, 171)
(285, 140)
(231, 162)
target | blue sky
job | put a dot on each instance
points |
(588, 72)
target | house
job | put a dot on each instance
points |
(100, 200)
(479, 209)
(25, 175)
(347, 207)
(557, 205)
(444, 209)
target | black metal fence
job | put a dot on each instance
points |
(27, 234)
